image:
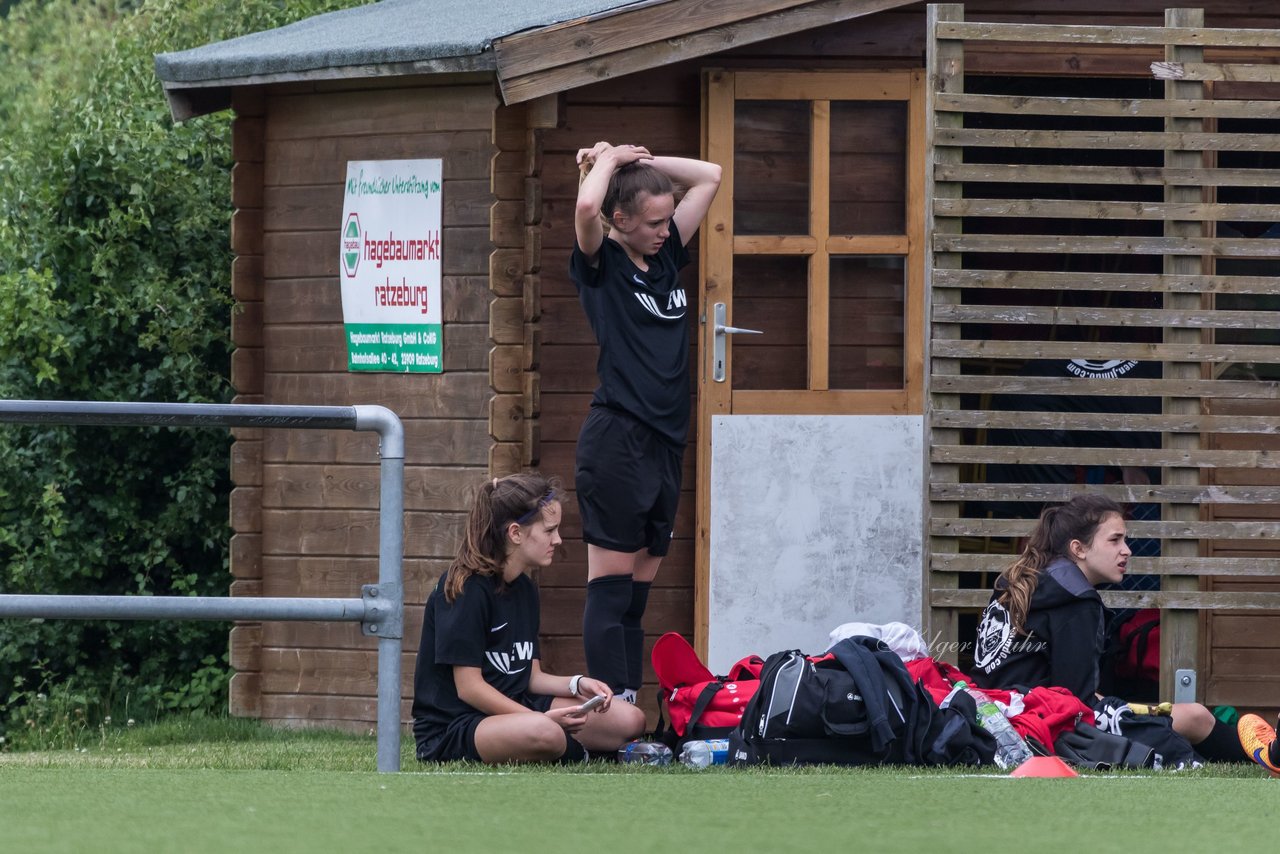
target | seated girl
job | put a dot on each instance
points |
(479, 691)
(1045, 622)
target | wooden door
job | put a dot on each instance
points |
(810, 459)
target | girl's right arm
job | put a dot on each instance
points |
(480, 695)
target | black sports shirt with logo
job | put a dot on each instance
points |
(640, 322)
(1060, 643)
(487, 627)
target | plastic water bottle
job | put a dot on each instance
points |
(1011, 748)
(641, 752)
(700, 754)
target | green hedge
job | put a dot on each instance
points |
(114, 281)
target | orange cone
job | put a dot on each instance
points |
(1043, 766)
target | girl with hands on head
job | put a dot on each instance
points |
(479, 691)
(631, 447)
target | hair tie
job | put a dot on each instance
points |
(495, 483)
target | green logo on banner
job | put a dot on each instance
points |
(352, 245)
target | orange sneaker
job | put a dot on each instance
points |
(1257, 737)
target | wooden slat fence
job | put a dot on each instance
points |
(1105, 316)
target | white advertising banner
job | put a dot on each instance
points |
(390, 262)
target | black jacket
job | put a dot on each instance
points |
(1060, 644)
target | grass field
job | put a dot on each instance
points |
(240, 788)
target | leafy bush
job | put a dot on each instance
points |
(114, 272)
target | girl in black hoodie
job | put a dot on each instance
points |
(1045, 623)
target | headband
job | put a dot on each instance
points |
(546, 499)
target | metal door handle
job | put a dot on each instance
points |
(719, 331)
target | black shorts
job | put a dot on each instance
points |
(456, 740)
(628, 483)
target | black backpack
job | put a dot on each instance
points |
(854, 705)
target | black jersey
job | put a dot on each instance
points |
(640, 321)
(488, 626)
(1060, 644)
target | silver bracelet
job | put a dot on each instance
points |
(574, 682)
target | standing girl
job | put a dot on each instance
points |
(1045, 622)
(479, 691)
(631, 447)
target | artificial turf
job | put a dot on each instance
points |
(308, 792)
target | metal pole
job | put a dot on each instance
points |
(180, 608)
(120, 413)
(380, 608)
(390, 576)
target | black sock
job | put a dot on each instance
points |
(633, 633)
(603, 637)
(1222, 744)
(574, 752)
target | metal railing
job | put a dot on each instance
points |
(380, 608)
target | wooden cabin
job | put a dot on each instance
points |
(999, 252)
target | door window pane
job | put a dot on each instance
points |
(771, 167)
(868, 167)
(771, 293)
(867, 312)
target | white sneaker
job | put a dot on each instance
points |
(627, 696)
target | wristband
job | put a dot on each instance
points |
(574, 682)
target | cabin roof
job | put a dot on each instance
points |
(387, 32)
(534, 47)
(385, 38)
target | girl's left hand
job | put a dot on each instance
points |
(589, 687)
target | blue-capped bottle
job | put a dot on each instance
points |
(702, 754)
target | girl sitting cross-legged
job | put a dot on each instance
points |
(479, 691)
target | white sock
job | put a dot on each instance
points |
(627, 696)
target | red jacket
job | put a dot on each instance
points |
(1047, 712)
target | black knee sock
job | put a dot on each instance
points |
(603, 637)
(1222, 744)
(574, 752)
(633, 633)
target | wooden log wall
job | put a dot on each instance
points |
(1122, 224)
(305, 507)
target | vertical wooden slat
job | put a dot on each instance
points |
(1178, 629)
(716, 285)
(819, 335)
(945, 69)
(917, 252)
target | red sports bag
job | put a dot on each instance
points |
(1139, 646)
(700, 704)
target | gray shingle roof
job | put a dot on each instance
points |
(388, 32)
